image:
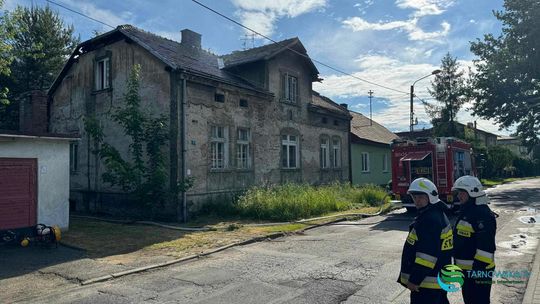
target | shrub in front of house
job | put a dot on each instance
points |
(296, 201)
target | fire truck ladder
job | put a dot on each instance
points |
(441, 169)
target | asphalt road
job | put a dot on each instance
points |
(351, 262)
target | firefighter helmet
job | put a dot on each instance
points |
(424, 185)
(471, 184)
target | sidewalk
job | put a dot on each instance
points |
(532, 293)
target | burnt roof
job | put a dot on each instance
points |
(267, 52)
(172, 53)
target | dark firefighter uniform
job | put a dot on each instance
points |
(427, 249)
(474, 250)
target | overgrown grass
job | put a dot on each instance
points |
(498, 181)
(295, 201)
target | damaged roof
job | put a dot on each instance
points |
(267, 52)
(365, 130)
(172, 53)
(321, 101)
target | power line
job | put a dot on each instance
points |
(295, 51)
(76, 12)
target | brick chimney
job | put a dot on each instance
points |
(344, 105)
(191, 39)
(33, 112)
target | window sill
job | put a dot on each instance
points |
(290, 103)
(290, 169)
(96, 92)
(244, 170)
(225, 170)
(365, 171)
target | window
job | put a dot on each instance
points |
(365, 162)
(73, 157)
(243, 157)
(324, 120)
(385, 163)
(102, 74)
(219, 97)
(218, 147)
(243, 103)
(324, 153)
(336, 153)
(289, 151)
(289, 85)
(336, 122)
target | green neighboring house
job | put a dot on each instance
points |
(370, 151)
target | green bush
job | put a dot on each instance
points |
(295, 201)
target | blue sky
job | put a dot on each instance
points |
(390, 42)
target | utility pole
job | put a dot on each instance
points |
(370, 112)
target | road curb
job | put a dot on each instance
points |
(192, 257)
(532, 283)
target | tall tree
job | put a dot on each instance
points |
(39, 43)
(506, 86)
(5, 58)
(448, 89)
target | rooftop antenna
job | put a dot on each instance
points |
(246, 39)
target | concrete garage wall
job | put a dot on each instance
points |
(52, 175)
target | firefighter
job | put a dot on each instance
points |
(428, 246)
(474, 240)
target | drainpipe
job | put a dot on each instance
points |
(350, 156)
(183, 138)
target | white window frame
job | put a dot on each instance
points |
(324, 153)
(385, 163)
(290, 88)
(365, 162)
(102, 73)
(218, 138)
(336, 152)
(288, 143)
(243, 149)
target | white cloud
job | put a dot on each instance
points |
(396, 74)
(425, 7)
(104, 15)
(415, 33)
(261, 15)
(420, 8)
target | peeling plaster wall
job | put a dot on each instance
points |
(76, 98)
(266, 116)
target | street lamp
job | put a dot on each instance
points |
(435, 72)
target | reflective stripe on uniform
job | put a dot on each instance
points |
(446, 232)
(486, 257)
(412, 237)
(464, 226)
(464, 264)
(428, 282)
(425, 260)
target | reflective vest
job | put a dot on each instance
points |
(474, 237)
(427, 249)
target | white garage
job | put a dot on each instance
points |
(34, 180)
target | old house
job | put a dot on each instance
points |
(370, 151)
(243, 119)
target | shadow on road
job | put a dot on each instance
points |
(16, 260)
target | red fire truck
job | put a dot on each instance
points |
(441, 160)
